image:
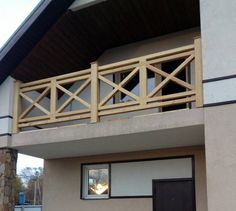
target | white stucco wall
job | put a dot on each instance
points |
(6, 104)
(218, 30)
(220, 91)
(6, 97)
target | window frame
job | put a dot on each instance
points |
(85, 180)
(109, 163)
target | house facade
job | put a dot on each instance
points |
(130, 103)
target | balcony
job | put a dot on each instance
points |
(159, 82)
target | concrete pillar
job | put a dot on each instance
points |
(220, 147)
(218, 31)
(8, 158)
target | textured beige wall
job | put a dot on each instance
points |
(220, 143)
(62, 182)
(149, 46)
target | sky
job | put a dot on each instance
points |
(12, 14)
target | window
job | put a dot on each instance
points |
(134, 179)
(95, 181)
(132, 85)
(131, 178)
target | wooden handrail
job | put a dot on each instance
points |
(44, 94)
(148, 57)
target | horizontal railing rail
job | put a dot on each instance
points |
(98, 93)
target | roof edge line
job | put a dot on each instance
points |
(29, 20)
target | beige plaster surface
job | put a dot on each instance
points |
(62, 182)
(220, 143)
(161, 130)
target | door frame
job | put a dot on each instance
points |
(175, 180)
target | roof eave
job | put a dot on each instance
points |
(34, 25)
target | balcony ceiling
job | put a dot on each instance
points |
(80, 37)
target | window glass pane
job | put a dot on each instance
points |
(97, 181)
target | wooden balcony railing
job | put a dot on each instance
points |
(46, 95)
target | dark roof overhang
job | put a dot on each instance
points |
(55, 40)
(33, 28)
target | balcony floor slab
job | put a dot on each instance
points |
(146, 132)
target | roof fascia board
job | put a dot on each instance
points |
(23, 27)
(80, 4)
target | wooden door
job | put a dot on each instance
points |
(173, 195)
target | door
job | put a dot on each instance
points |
(173, 195)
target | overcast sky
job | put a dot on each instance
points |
(12, 14)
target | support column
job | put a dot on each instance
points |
(8, 158)
(220, 147)
(218, 32)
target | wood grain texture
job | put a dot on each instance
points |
(97, 106)
(79, 38)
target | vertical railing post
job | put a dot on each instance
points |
(53, 99)
(158, 80)
(17, 107)
(143, 81)
(94, 92)
(198, 72)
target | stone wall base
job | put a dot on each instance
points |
(8, 159)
